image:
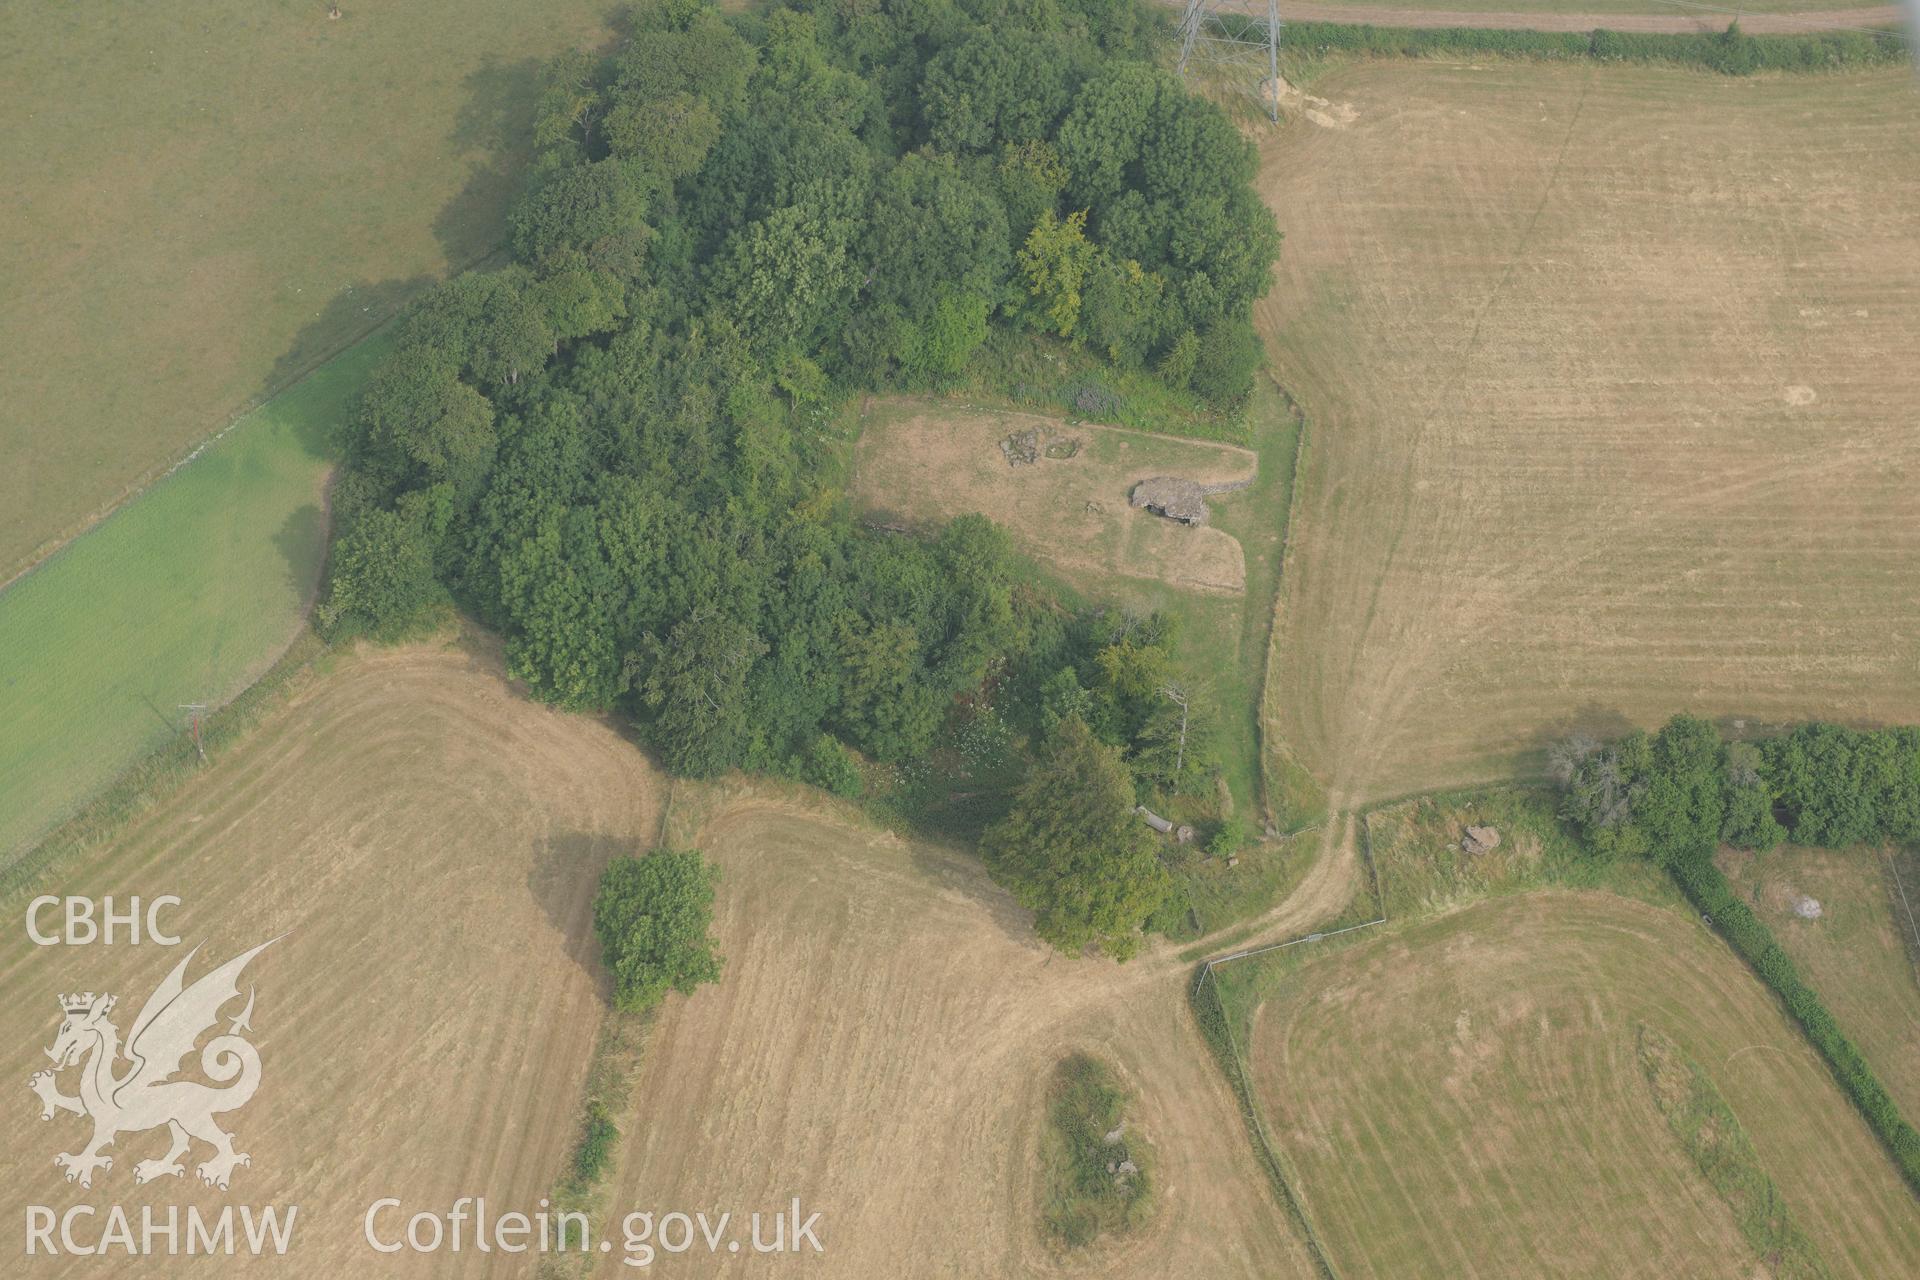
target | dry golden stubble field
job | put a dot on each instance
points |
(1612, 393)
(880, 1046)
(1463, 1099)
(428, 840)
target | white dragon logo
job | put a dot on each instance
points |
(143, 1097)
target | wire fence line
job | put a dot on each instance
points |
(1913, 927)
(1265, 1148)
(1364, 821)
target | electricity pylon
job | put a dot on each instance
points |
(1240, 36)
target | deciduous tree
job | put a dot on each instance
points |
(652, 915)
(1074, 851)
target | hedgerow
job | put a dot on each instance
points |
(1730, 52)
(1676, 795)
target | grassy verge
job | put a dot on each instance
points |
(579, 1188)
(165, 770)
(1712, 1138)
(1294, 797)
(1097, 1174)
(1261, 518)
(1210, 1012)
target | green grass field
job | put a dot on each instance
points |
(185, 595)
(202, 201)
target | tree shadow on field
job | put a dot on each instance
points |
(952, 869)
(566, 871)
(302, 543)
(497, 114)
(351, 314)
(1594, 720)
(494, 123)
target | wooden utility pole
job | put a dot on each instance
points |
(195, 710)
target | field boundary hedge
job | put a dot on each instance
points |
(1729, 52)
(1273, 786)
(1211, 1014)
(1216, 1028)
(1707, 888)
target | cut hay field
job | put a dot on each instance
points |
(184, 595)
(428, 840)
(1612, 393)
(880, 1045)
(203, 201)
(926, 461)
(1856, 954)
(1463, 1098)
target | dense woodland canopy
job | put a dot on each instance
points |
(619, 451)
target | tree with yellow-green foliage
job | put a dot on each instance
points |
(1054, 262)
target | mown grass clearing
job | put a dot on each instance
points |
(201, 205)
(924, 461)
(184, 596)
(1610, 412)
